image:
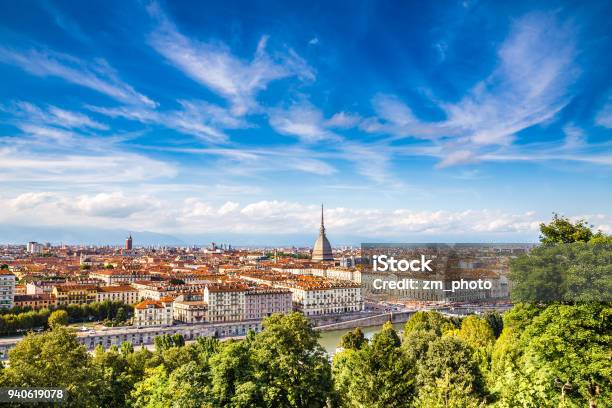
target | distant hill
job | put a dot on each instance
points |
(13, 234)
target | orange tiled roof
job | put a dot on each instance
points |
(145, 304)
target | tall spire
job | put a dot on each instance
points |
(322, 250)
(322, 229)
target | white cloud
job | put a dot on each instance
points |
(228, 208)
(166, 213)
(302, 120)
(343, 120)
(111, 166)
(604, 116)
(198, 118)
(111, 205)
(52, 115)
(458, 157)
(214, 65)
(529, 86)
(31, 200)
(97, 75)
(269, 217)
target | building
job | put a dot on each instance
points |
(118, 293)
(75, 294)
(34, 247)
(128, 243)
(261, 302)
(7, 289)
(114, 276)
(315, 296)
(190, 309)
(42, 287)
(322, 250)
(226, 302)
(20, 289)
(35, 301)
(153, 313)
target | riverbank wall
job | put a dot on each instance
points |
(374, 320)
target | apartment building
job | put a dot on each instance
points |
(261, 302)
(226, 302)
(313, 295)
(7, 289)
(118, 293)
(190, 309)
(75, 294)
(325, 297)
(114, 277)
(35, 301)
(153, 313)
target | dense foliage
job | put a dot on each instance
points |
(546, 356)
(112, 312)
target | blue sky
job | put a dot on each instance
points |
(410, 121)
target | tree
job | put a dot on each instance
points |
(570, 345)
(231, 368)
(495, 321)
(476, 333)
(121, 316)
(578, 272)
(353, 339)
(562, 230)
(445, 393)
(379, 375)
(58, 318)
(449, 370)
(184, 387)
(291, 367)
(53, 359)
(428, 320)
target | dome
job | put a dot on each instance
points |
(322, 250)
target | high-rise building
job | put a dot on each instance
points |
(34, 247)
(7, 289)
(322, 250)
(128, 243)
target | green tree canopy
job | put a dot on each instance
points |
(54, 359)
(561, 230)
(379, 375)
(353, 339)
(58, 318)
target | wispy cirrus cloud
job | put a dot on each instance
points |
(26, 112)
(529, 86)
(604, 116)
(216, 67)
(198, 118)
(302, 120)
(97, 75)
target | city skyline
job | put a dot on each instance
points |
(196, 123)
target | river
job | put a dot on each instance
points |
(330, 340)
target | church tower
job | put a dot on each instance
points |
(322, 249)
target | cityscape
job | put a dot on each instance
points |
(306, 204)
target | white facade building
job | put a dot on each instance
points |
(153, 313)
(7, 289)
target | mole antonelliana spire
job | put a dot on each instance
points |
(322, 248)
